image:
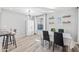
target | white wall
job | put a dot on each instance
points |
(0, 16)
(13, 20)
(78, 24)
(71, 27)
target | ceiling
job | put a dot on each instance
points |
(33, 10)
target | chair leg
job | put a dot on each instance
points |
(43, 43)
(49, 44)
(53, 47)
(14, 41)
(3, 42)
(6, 43)
(10, 39)
(64, 49)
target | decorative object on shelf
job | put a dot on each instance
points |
(66, 22)
(53, 29)
(66, 16)
(51, 22)
(66, 19)
(52, 17)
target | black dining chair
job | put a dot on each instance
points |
(61, 30)
(46, 37)
(58, 40)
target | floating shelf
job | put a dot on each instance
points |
(67, 16)
(51, 22)
(52, 17)
(66, 22)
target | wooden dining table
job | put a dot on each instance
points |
(5, 34)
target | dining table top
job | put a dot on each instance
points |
(65, 35)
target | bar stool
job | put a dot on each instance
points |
(12, 38)
(7, 37)
(5, 41)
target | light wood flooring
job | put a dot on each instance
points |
(29, 44)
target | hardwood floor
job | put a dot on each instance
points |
(29, 44)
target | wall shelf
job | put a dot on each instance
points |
(66, 22)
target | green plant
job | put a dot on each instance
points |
(53, 29)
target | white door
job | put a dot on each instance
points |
(30, 27)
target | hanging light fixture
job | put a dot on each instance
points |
(29, 11)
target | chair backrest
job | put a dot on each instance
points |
(61, 30)
(58, 39)
(46, 36)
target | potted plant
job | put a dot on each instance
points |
(53, 29)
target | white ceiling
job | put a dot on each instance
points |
(33, 10)
(37, 10)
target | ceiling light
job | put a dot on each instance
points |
(52, 7)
